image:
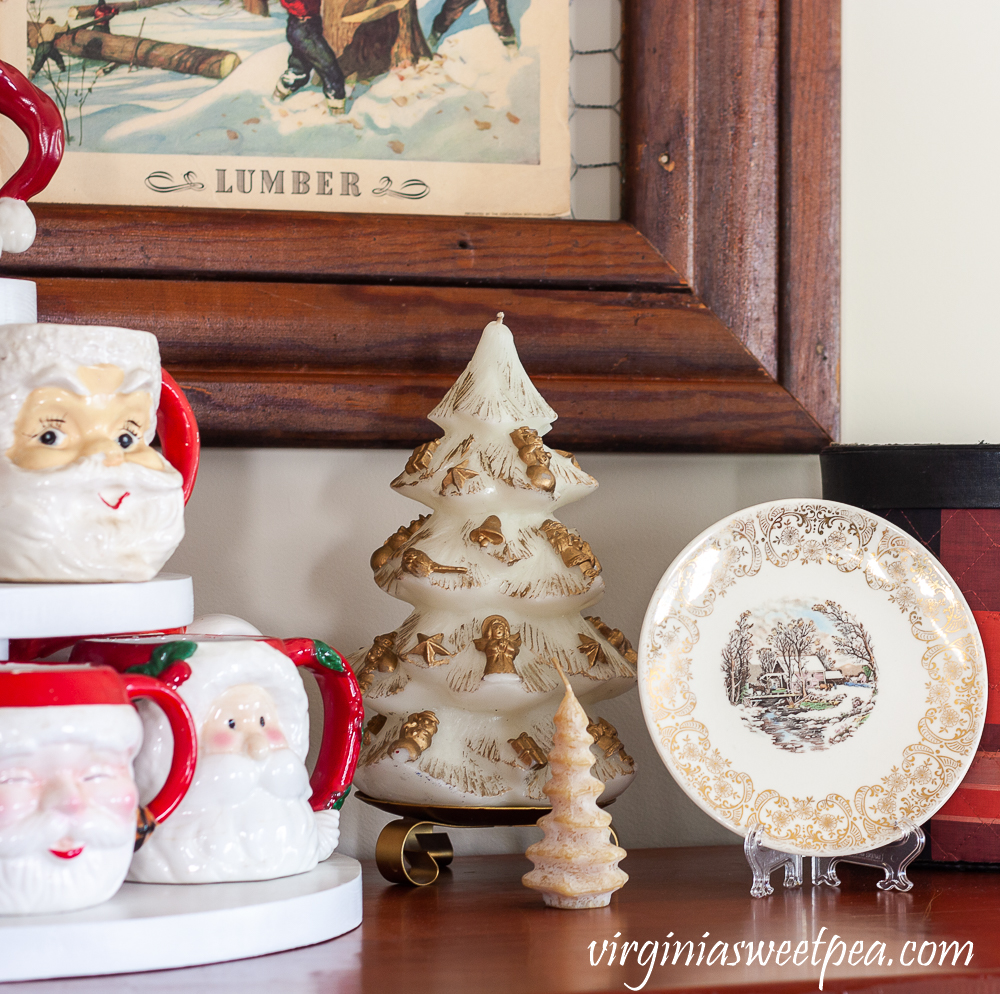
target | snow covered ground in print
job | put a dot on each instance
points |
(476, 101)
(823, 719)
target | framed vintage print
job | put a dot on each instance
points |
(393, 106)
(705, 320)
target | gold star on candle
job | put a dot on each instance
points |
(593, 649)
(430, 646)
(458, 476)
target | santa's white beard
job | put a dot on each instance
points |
(240, 820)
(54, 525)
(34, 881)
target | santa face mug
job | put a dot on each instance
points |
(83, 496)
(252, 812)
(69, 813)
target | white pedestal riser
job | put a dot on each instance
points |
(164, 926)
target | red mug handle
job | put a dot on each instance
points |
(178, 431)
(36, 114)
(185, 750)
(343, 716)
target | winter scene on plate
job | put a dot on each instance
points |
(432, 80)
(801, 672)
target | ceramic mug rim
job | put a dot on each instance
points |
(61, 686)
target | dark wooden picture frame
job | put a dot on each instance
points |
(706, 320)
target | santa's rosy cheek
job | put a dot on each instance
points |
(223, 742)
(16, 803)
(115, 794)
(275, 738)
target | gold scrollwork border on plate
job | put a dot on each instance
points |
(807, 535)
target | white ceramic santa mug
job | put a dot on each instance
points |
(83, 495)
(69, 812)
(252, 813)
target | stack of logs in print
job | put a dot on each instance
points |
(212, 63)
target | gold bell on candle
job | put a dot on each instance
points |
(488, 533)
(576, 864)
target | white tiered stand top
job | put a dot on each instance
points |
(55, 610)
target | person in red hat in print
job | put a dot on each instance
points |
(310, 51)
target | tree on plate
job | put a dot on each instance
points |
(792, 642)
(736, 659)
(853, 640)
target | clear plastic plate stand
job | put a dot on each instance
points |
(764, 861)
(893, 858)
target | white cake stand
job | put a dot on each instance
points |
(56, 610)
(153, 926)
(162, 926)
(18, 302)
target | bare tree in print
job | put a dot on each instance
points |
(792, 642)
(768, 660)
(736, 659)
(853, 640)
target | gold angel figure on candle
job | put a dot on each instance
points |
(576, 864)
(500, 645)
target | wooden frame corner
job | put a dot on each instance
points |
(706, 320)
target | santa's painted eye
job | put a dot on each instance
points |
(125, 439)
(231, 723)
(261, 721)
(22, 779)
(51, 436)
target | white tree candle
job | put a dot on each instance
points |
(460, 696)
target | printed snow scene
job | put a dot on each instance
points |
(429, 80)
(802, 674)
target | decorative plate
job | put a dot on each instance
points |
(808, 667)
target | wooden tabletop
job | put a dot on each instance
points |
(479, 930)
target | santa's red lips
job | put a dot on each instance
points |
(67, 853)
(117, 504)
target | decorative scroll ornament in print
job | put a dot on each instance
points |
(400, 106)
(808, 667)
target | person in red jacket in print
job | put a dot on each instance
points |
(103, 14)
(310, 51)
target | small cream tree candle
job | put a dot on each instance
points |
(576, 864)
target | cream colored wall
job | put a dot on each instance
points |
(921, 214)
(283, 537)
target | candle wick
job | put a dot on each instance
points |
(561, 672)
